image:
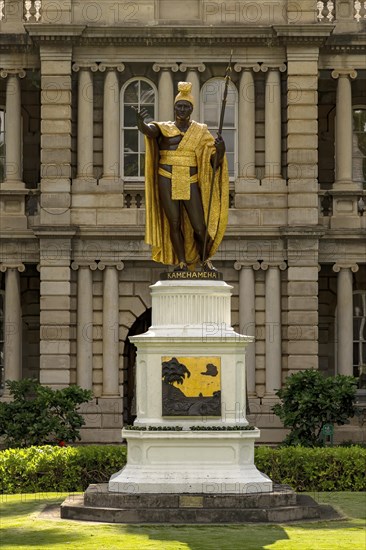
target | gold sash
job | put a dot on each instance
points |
(180, 161)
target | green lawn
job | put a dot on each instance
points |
(21, 527)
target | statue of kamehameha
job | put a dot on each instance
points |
(186, 187)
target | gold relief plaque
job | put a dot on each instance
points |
(191, 386)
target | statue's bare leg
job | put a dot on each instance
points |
(172, 211)
(196, 216)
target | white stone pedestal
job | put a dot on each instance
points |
(191, 323)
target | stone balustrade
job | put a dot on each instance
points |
(328, 204)
(32, 11)
(327, 11)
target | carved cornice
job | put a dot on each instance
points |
(230, 35)
(302, 232)
(316, 34)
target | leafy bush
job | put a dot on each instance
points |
(317, 469)
(59, 469)
(52, 468)
(38, 415)
(310, 400)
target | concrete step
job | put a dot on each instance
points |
(97, 504)
(99, 496)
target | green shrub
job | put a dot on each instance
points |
(317, 469)
(59, 469)
(38, 415)
(66, 469)
(311, 400)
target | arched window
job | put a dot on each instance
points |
(359, 337)
(2, 337)
(211, 100)
(359, 145)
(2, 143)
(138, 92)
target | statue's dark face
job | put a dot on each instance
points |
(183, 110)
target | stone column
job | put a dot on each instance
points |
(247, 316)
(85, 122)
(344, 126)
(111, 124)
(12, 322)
(345, 317)
(273, 130)
(273, 327)
(110, 329)
(12, 189)
(166, 90)
(13, 128)
(246, 123)
(84, 331)
(192, 76)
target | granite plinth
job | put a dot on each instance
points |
(282, 505)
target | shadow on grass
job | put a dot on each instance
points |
(38, 538)
(25, 504)
(224, 537)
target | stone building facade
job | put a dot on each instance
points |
(74, 270)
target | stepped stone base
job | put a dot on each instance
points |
(280, 506)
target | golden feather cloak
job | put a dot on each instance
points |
(157, 233)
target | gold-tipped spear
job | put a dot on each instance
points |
(214, 167)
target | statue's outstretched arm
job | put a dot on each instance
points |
(149, 130)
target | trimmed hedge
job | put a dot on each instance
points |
(64, 469)
(315, 469)
(59, 469)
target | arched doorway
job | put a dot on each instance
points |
(140, 326)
